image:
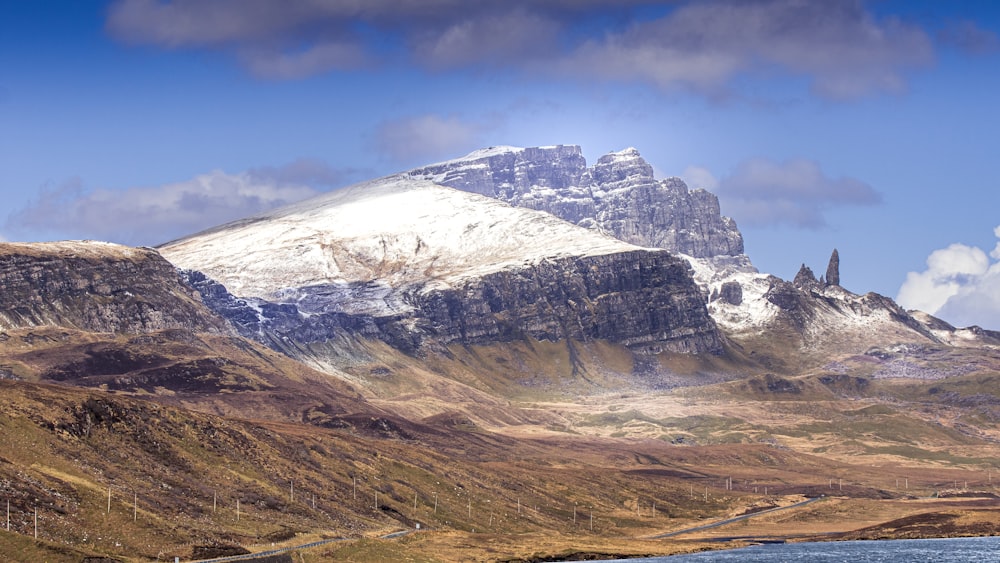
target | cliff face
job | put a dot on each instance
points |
(641, 299)
(96, 287)
(618, 195)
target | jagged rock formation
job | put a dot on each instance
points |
(97, 287)
(833, 269)
(805, 277)
(618, 195)
(413, 263)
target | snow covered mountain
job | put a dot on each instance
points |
(512, 243)
(407, 260)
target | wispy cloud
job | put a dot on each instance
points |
(841, 48)
(426, 137)
(961, 285)
(762, 192)
(152, 215)
(969, 37)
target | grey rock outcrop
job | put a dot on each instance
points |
(731, 292)
(805, 278)
(833, 269)
(618, 195)
(97, 287)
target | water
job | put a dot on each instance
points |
(949, 550)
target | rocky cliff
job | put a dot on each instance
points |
(618, 195)
(643, 300)
(97, 287)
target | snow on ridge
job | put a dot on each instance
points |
(755, 311)
(479, 154)
(626, 154)
(395, 230)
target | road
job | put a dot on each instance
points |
(734, 519)
(279, 551)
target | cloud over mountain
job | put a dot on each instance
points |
(842, 49)
(152, 215)
(429, 136)
(762, 192)
(961, 285)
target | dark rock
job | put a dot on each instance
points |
(805, 278)
(771, 383)
(833, 269)
(732, 293)
(795, 304)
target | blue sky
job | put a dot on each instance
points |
(866, 126)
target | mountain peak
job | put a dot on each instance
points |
(629, 153)
(618, 195)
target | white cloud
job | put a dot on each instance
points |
(153, 215)
(960, 285)
(698, 177)
(428, 136)
(762, 192)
